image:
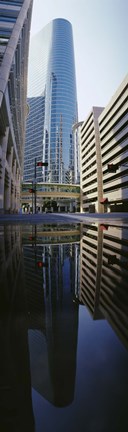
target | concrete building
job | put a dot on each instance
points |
(104, 156)
(113, 129)
(15, 18)
(52, 103)
(76, 142)
(91, 167)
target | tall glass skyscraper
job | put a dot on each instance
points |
(52, 104)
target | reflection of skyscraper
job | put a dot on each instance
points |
(53, 340)
(52, 74)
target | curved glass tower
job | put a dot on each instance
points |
(52, 104)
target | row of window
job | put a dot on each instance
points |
(111, 108)
(13, 3)
(122, 185)
(89, 166)
(119, 126)
(90, 148)
(113, 121)
(84, 137)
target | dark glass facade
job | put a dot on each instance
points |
(52, 103)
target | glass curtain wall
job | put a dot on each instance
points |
(52, 104)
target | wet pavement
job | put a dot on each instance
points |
(64, 324)
(26, 218)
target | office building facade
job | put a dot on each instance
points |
(15, 19)
(52, 104)
(104, 156)
(113, 130)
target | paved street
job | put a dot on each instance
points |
(64, 218)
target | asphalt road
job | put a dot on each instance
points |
(65, 218)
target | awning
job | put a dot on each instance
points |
(104, 200)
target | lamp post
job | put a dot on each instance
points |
(35, 185)
(32, 191)
(38, 164)
(32, 196)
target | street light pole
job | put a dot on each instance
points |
(35, 185)
(38, 164)
(32, 196)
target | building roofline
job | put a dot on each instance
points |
(115, 96)
(91, 113)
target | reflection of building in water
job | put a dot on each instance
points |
(16, 412)
(50, 234)
(91, 261)
(10, 255)
(53, 338)
(104, 273)
(34, 287)
(114, 280)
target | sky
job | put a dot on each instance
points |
(100, 34)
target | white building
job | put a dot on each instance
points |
(113, 129)
(76, 131)
(91, 168)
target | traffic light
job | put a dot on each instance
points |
(41, 264)
(31, 238)
(42, 164)
(112, 167)
(103, 227)
(31, 190)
